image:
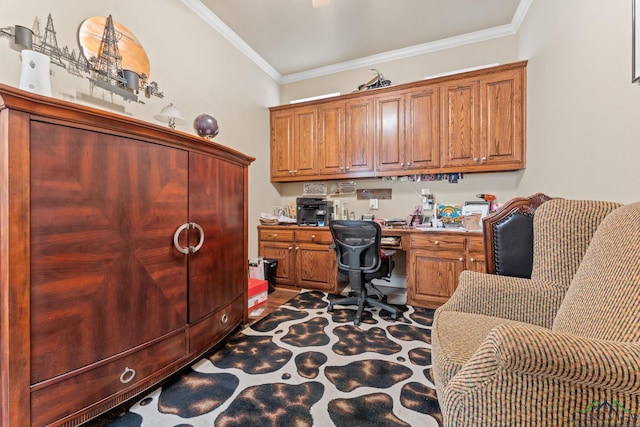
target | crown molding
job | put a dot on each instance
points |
(216, 23)
(478, 36)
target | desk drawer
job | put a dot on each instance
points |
(476, 244)
(314, 236)
(276, 235)
(438, 242)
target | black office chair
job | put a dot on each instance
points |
(357, 246)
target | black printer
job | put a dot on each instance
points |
(314, 212)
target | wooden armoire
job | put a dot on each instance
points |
(123, 256)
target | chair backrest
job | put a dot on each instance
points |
(508, 236)
(562, 231)
(357, 245)
(603, 300)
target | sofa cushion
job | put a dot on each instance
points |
(456, 338)
(603, 301)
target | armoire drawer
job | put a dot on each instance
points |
(213, 328)
(54, 399)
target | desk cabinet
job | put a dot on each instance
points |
(435, 260)
(123, 256)
(305, 259)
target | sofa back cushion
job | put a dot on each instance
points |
(603, 300)
(562, 232)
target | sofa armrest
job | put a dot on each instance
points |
(540, 353)
(512, 298)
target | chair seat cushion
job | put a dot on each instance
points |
(456, 337)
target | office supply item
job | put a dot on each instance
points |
(312, 211)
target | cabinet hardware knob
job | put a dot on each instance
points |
(475, 159)
(224, 319)
(461, 259)
(408, 164)
(401, 163)
(347, 168)
(437, 242)
(472, 259)
(297, 248)
(483, 158)
(193, 249)
(127, 376)
(313, 237)
(290, 247)
(176, 235)
(275, 235)
(295, 171)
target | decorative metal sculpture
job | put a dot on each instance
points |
(105, 69)
(376, 82)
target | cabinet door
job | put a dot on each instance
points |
(282, 144)
(332, 146)
(434, 276)
(316, 266)
(305, 147)
(390, 133)
(422, 128)
(360, 128)
(216, 203)
(503, 115)
(105, 276)
(476, 257)
(283, 252)
(461, 123)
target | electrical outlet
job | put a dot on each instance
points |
(373, 203)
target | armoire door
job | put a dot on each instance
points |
(105, 276)
(217, 271)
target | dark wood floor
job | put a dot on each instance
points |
(276, 299)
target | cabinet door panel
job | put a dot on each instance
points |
(305, 145)
(435, 276)
(390, 133)
(281, 144)
(461, 124)
(503, 130)
(332, 141)
(423, 129)
(104, 273)
(283, 252)
(359, 135)
(316, 266)
(216, 203)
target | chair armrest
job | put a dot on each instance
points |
(512, 298)
(536, 352)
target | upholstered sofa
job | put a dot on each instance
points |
(560, 348)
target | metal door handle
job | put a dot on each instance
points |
(201, 241)
(189, 249)
(176, 235)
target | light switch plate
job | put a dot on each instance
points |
(373, 203)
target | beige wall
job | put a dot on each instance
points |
(196, 68)
(583, 110)
(582, 107)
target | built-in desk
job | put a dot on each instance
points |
(434, 259)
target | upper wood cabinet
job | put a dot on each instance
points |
(294, 143)
(469, 122)
(483, 121)
(408, 130)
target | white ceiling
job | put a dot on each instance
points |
(293, 41)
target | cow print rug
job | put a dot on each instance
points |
(304, 366)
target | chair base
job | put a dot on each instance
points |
(363, 301)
